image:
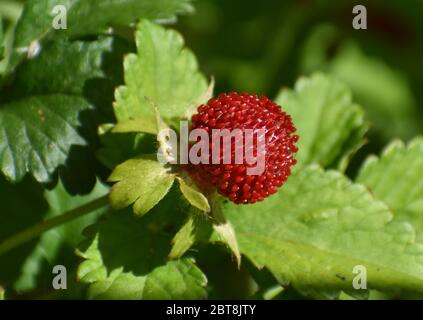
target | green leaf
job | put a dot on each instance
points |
(60, 201)
(85, 62)
(318, 227)
(163, 71)
(23, 205)
(224, 230)
(136, 125)
(193, 195)
(203, 99)
(126, 258)
(87, 18)
(184, 239)
(1, 293)
(196, 229)
(272, 292)
(396, 179)
(37, 134)
(226, 234)
(43, 110)
(120, 146)
(141, 181)
(384, 92)
(142, 124)
(331, 127)
(56, 246)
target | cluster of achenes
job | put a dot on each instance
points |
(245, 111)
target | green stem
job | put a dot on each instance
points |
(34, 231)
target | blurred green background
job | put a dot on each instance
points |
(261, 46)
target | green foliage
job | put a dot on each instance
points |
(184, 239)
(23, 214)
(140, 181)
(42, 115)
(126, 258)
(318, 227)
(30, 267)
(195, 230)
(162, 71)
(395, 178)
(35, 128)
(331, 127)
(87, 18)
(193, 195)
(224, 231)
(1, 39)
(384, 92)
(60, 240)
(83, 105)
(117, 147)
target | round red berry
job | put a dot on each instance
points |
(245, 111)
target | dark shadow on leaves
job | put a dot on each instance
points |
(21, 206)
(139, 244)
(79, 171)
(82, 166)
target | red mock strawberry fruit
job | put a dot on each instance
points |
(246, 111)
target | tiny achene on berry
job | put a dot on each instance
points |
(246, 111)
